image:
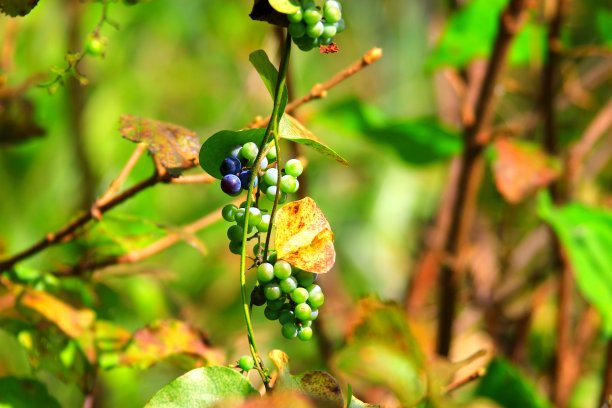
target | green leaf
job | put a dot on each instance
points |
(604, 26)
(529, 44)
(25, 393)
(218, 146)
(586, 234)
(291, 129)
(16, 8)
(269, 75)
(505, 385)
(203, 387)
(285, 6)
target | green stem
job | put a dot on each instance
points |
(272, 129)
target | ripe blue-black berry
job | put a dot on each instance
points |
(245, 179)
(230, 165)
(230, 184)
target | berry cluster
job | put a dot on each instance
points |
(290, 296)
(312, 26)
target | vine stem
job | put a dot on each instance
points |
(271, 130)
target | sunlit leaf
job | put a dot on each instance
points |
(529, 44)
(303, 236)
(176, 147)
(586, 235)
(604, 25)
(16, 8)
(291, 129)
(505, 385)
(382, 351)
(521, 168)
(219, 146)
(268, 74)
(285, 6)
(152, 344)
(25, 393)
(203, 387)
(72, 321)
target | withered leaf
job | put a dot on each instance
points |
(16, 8)
(303, 236)
(176, 147)
(17, 123)
(521, 168)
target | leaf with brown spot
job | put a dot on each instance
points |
(176, 147)
(152, 344)
(303, 237)
(72, 321)
(521, 168)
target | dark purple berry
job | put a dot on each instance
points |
(231, 185)
(257, 296)
(230, 165)
(245, 179)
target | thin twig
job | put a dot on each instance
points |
(475, 137)
(319, 91)
(116, 184)
(606, 389)
(466, 380)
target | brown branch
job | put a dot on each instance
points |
(116, 184)
(319, 91)
(606, 389)
(466, 380)
(470, 175)
(193, 179)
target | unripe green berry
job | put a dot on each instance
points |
(229, 212)
(246, 363)
(272, 291)
(282, 269)
(315, 30)
(265, 272)
(311, 16)
(299, 295)
(289, 330)
(303, 311)
(297, 30)
(305, 333)
(288, 285)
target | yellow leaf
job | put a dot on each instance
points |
(303, 237)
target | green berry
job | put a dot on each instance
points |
(288, 285)
(249, 151)
(340, 26)
(246, 363)
(329, 31)
(272, 291)
(332, 12)
(265, 272)
(316, 300)
(314, 314)
(302, 311)
(299, 295)
(289, 330)
(271, 177)
(95, 46)
(276, 304)
(305, 333)
(315, 30)
(229, 212)
(297, 30)
(239, 217)
(286, 316)
(235, 233)
(294, 167)
(272, 256)
(271, 314)
(314, 288)
(282, 269)
(289, 184)
(271, 193)
(264, 224)
(295, 17)
(304, 278)
(254, 216)
(271, 155)
(235, 247)
(311, 16)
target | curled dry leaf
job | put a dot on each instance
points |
(521, 168)
(303, 237)
(176, 147)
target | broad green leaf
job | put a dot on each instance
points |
(471, 31)
(419, 142)
(469, 34)
(303, 236)
(16, 8)
(505, 385)
(218, 146)
(176, 147)
(25, 393)
(604, 25)
(285, 6)
(203, 387)
(291, 129)
(586, 235)
(269, 75)
(163, 339)
(382, 351)
(520, 168)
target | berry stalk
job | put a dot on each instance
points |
(271, 129)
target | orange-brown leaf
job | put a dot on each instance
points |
(176, 147)
(520, 169)
(303, 237)
(164, 339)
(72, 321)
